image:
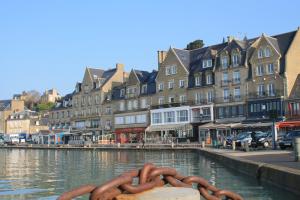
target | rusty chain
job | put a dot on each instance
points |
(149, 177)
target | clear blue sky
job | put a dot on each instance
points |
(46, 44)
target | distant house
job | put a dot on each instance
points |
(51, 95)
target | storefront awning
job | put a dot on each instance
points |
(252, 125)
(288, 124)
(169, 127)
(130, 130)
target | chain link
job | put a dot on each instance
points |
(149, 177)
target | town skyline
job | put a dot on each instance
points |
(37, 41)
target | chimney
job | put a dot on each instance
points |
(230, 38)
(120, 66)
(161, 55)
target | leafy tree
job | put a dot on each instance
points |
(195, 45)
(44, 106)
(31, 98)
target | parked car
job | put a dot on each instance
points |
(11, 138)
(263, 139)
(242, 138)
(229, 140)
(288, 139)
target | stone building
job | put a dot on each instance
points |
(88, 99)
(8, 107)
(51, 95)
(131, 102)
(26, 121)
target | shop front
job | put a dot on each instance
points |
(129, 135)
(169, 133)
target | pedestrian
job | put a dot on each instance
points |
(110, 139)
(143, 143)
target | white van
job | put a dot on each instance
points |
(11, 138)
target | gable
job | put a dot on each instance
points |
(87, 78)
(171, 59)
(262, 42)
(132, 79)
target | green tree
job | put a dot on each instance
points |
(195, 45)
(45, 106)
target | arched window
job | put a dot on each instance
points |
(235, 58)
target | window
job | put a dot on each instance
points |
(198, 98)
(259, 70)
(143, 103)
(237, 93)
(182, 116)
(270, 67)
(160, 87)
(161, 100)
(156, 118)
(122, 106)
(235, 60)
(267, 52)
(144, 89)
(225, 78)
(141, 119)
(129, 105)
(197, 81)
(271, 91)
(207, 63)
(210, 96)
(171, 70)
(236, 77)
(261, 90)
(171, 99)
(119, 120)
(135, 104)
(221, 112)
(168, 70)
(208, 79)
(97, 99)
(122, 92)
(260, 53)
(182, 98)
(224, 62)
(169, 116)
(226, 94)
(171, 84)
(181, 83)
(130, 119)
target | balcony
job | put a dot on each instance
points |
(236, 81)
(225, 83)
(131, 95)
(265, 94)
(230, 99)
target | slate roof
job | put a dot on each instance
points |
(192, 59)
(145, 76)
(4, 104)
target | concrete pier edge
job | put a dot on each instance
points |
(282, 177)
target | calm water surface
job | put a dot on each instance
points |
(44, 174)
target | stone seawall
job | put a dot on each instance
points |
(282, 177)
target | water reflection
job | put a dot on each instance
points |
(44, 174)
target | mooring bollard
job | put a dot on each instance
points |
(233, 145)
(297, 149)
(172, 144)
(203, 144)
(224, 144)
(119, 145)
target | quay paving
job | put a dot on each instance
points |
(282, 158)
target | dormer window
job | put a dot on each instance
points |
(144, 89)
(207, 63)
(122, 92)
(267, 52)
(235, 60)
(197, 81)
(260, 53)
(224, 62)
